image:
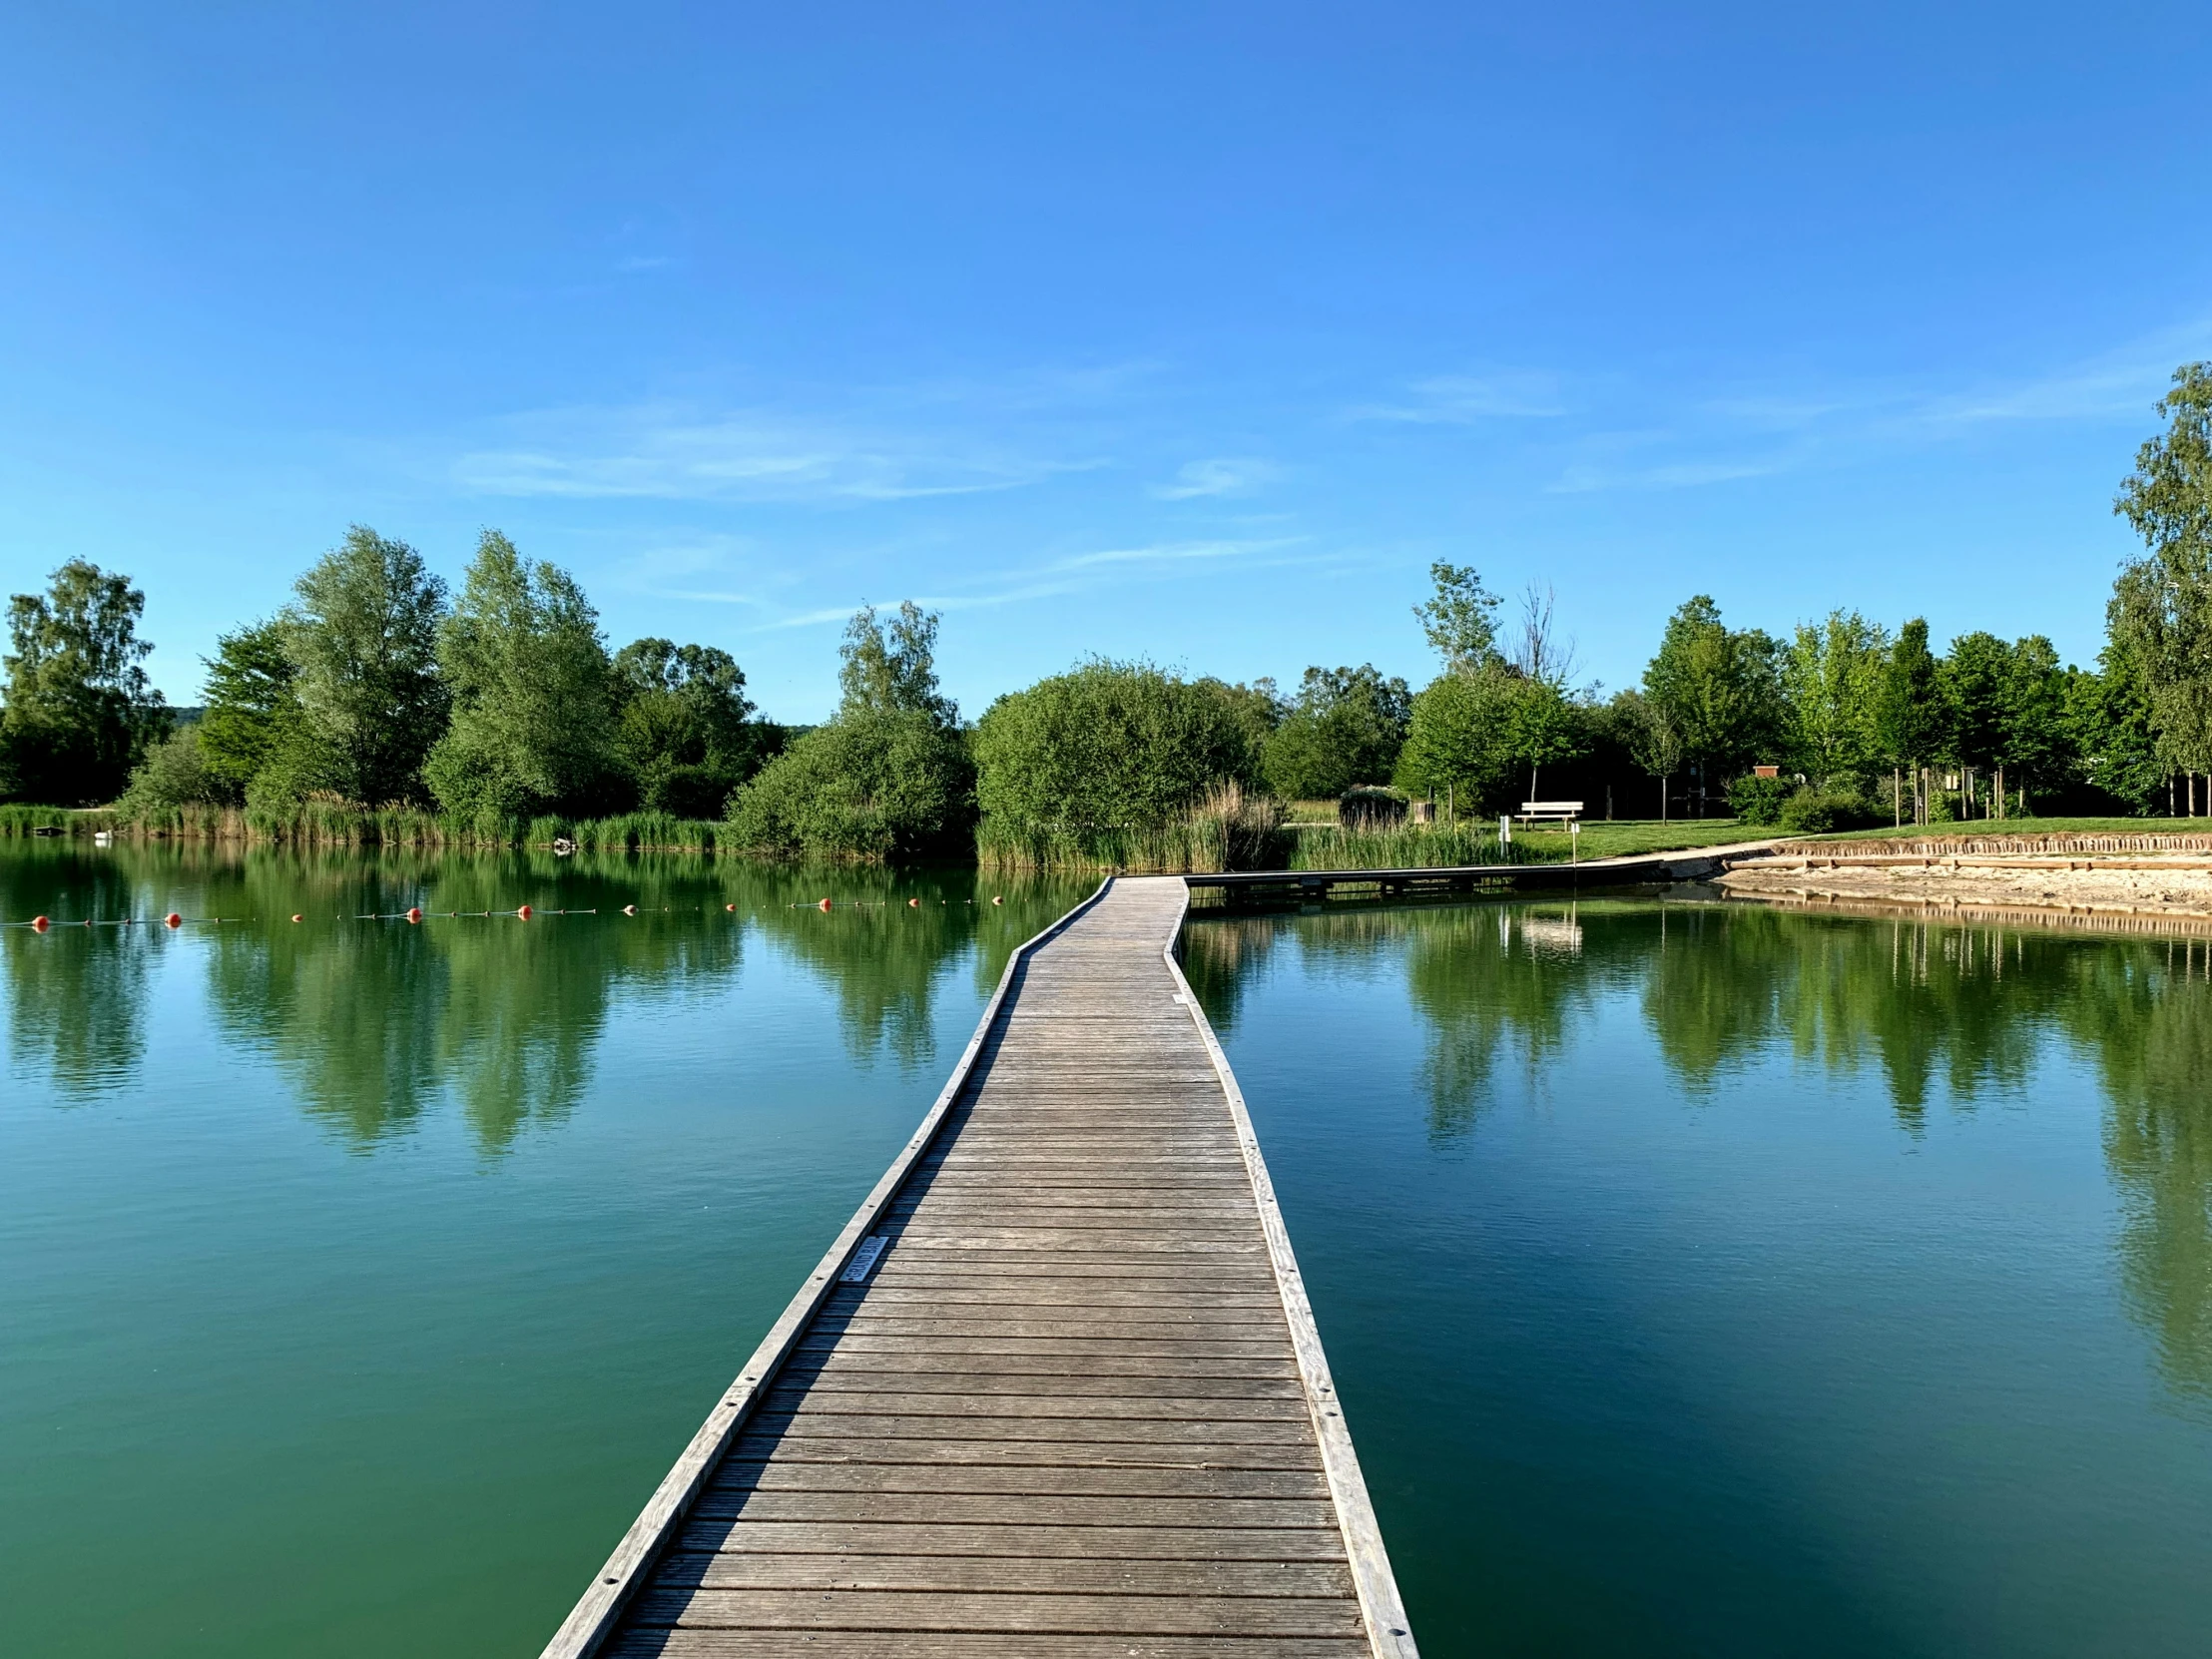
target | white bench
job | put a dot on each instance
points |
(1535, 811)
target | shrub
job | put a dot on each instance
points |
(1108, 749)
(872, 784)
(1814, 811)
(1367, 807)
(1756, 800)
(173, 775)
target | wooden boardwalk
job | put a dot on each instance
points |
(1054, 1393)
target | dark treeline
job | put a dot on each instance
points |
(500, 709)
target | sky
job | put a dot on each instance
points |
(1190, 332)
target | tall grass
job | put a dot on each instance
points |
(1229, 830)
(326, 822)
(1406, 847)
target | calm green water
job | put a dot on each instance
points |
(1712, 1281)
(1700, 1282)
(359, 1280)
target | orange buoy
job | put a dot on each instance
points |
(298, 918)
(414, 912)
(825, 904)
(40, 924)
(629, 909)
(914, 903)
(732, 908)
(173, 919)
(523, 911)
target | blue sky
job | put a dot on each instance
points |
(1188, 332)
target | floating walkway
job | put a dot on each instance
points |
(1055, 1392)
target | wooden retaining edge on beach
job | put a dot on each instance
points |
(2163, 922)
(1992, 860)
(1071, 1293)
(600, 1608)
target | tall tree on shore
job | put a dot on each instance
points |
(532, 692)
(1345, 727)
(1911, 720)
(1461, 619)
(2161, 610)
(79, 712)
(361, 636)
(889, 665)
(683, 727)
(1832, 688)
(1719, 688)
(253, 720)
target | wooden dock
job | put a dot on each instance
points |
(1055, 1392)
(1288, 887)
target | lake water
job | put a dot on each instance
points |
(1699, 1280)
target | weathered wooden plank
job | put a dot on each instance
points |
(1019, 1509)
(662, 1643)
(886, 1466)
(1075, 1614)
(1203, 1431)
(719, 1570)
(1244, 1544)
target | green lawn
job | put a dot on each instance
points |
(2026, 826)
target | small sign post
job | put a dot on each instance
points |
(1575, 840)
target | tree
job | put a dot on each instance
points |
(1460, 620)
(2161, 609)
(889, 778)
(683, 729)
(531, 688)
(1650, 737)
(1345, 727)
(2039, 737)
(1832, 691)
(1456, 740)
(79, 712)
(1911, 711)
(1105, 747)
(1543, 723)
(2109, 724)
(252, 715)
(362, 640)
(1718, 689)
(891, 664)
(1975, 685)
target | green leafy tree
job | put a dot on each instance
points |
(889, 664)
(1106, 747)
(2109, 724)
(1647, 732)
(1913, 714)
(362, 638)
(532, 693)
(1461, 619)
(1345, 725)
(683, 729)
(890, 777)
(1456, 741)
(1256, 710)
(253, 720)
(1832, 691)
(2038, 734)
(79, 712)
(2161, 608)
(1719, 690)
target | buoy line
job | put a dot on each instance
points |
(415, 916)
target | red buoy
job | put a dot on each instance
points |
(732, 908)
(298, 918)
(914, 903)
(629, 909)
(997, 900)
(173, 919)
(414, 912)
(40, 924)
(523, 911)
(825, 904)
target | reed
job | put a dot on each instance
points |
(1228, 830)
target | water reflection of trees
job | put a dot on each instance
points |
(373, 1022)
(77, 996)
(1940, 1010)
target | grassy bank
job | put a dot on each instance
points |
(1984, 827)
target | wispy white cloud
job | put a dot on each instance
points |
(1218, 476)
(670, 453)
(1457, 400)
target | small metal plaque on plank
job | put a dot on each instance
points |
(863, 1260)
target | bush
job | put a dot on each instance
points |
(1813, 813)
(1368, 808)
(1104, 751)
(173, 775)
(871, 785)
(1756, 800)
